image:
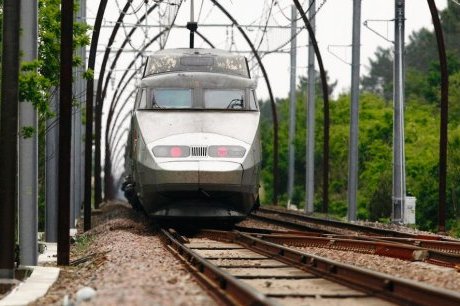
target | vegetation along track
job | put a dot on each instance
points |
(240, 269)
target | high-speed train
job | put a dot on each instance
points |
(194, 145)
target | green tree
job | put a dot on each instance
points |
(38, 79)
(375, 157)
(380, 78)
(422, 64)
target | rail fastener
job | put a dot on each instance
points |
(395, 289)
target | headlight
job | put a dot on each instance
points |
(227, 151)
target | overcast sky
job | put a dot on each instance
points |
(334, 28)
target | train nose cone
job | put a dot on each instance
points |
(220, 172)
(199, 172)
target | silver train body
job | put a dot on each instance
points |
(194, 145)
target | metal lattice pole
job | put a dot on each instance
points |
(399, 172)
(28, 146)
(292, 105)
(354, 113)
(65, 130)
(51, 174)
(324, 87)
(311, 111)
(8, 135)
(444, 117)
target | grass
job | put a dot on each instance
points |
(82, 242)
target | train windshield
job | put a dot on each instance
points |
(172, 98)
(224, 98)
(187, 98)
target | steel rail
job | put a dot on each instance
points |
(259, 230)
(443, 253)
(345, 225)
(220, 284)
(394, 289)
(368, 246)
(273, 270)
(446, 246)
(300, 226)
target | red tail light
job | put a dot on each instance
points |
(227, 151)
(222, 152)
(175, 152)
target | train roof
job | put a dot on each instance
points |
(197, 60)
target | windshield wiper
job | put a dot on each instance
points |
(235, 103)
(156, 105)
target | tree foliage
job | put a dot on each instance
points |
(376, 133)
(39, 79)
(422, 67)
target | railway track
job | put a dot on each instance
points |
(283, 215)
(430, 248)
(240, 269)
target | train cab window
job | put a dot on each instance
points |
(172, 98)
(224, 99)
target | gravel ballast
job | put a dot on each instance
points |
(124, 260)
(447, 278)
(129, 266)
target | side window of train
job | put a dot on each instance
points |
(172, 98)
(224, 99)
(252, 100)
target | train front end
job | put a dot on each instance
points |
(195, 145)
